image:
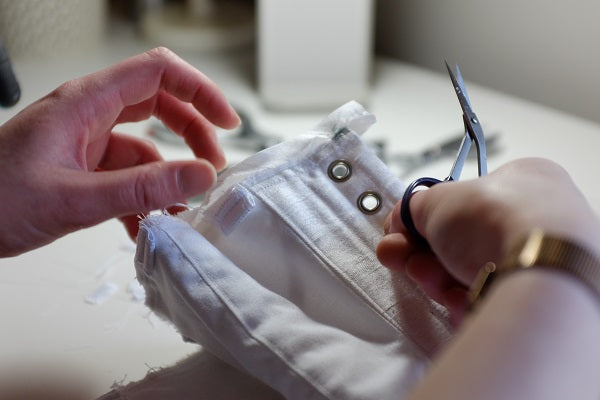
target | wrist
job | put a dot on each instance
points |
(539, 250)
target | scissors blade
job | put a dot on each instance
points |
(461, 157)
(461, 92)
(476, 133)
(472, 125)
(461, 83)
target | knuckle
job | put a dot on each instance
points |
(149, 147)
(143, 192)
(152, 189)
(161, 53)
(67, 90)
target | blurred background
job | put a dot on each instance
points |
(313, 54)
(530, 69)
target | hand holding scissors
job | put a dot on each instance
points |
(473, 133)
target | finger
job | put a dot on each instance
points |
(425, 269)
(142, 76)
(425, 203)
(393, 250)
(183, 120)
(396, 252)
(140, 189)
(456, 301)
(98, 99)
(123, 151)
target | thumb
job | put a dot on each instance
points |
(145, 188)
(417, 209)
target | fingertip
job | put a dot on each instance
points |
(392, 250)
(212, 103)
(219, 162)
(233, 121)
(196, 177)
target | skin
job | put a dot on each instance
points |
(535, 335)
(64, 167)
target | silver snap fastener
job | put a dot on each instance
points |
(339, 170)
(369, 202)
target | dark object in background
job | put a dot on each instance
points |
(10, 93)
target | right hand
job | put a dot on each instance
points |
(469, 223)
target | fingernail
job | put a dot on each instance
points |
(195, 179)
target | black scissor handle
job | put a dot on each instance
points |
(10, 92)
(405, 214)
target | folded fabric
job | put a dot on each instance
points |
(275, 273)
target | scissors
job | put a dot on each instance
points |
(473, 134)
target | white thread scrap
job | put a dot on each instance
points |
(137, 292)
(102, 293)
(108, 266)
(127, 246)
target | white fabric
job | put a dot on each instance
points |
(276, 274)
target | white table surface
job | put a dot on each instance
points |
(49, 329)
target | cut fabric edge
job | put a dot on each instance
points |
(254, 331)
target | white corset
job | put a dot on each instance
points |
(276, 274)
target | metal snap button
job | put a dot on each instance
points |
(339, 170)
(369, 202)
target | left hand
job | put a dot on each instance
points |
(63, 168)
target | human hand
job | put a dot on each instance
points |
(63, 168)
(469, 223)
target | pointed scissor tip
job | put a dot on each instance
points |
(451, 73)
(452, 76)
(448, 66)
(459, 85)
